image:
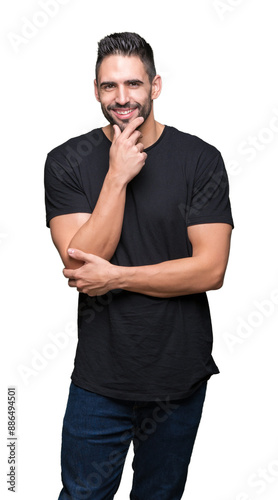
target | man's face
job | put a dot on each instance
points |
(123, 89)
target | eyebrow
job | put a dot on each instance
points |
(126, 82)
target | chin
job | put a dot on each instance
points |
(123, 124)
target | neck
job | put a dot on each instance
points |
(151, 130)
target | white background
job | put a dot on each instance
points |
(218, 61)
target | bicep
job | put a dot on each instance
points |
(211, 243)
(63, 228)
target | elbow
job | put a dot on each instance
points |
(217, 280)
(217, 285)
(71, 263)
(68, 261)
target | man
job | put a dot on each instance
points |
(141, 217)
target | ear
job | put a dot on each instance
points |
(96, 91)
(156, 87)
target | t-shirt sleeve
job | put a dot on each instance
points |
(210, 200)
(63, 189)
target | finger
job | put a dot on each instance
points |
(117, 132)
(140, 147)
(144, 156)
(69, 273)
(79, 255)
(72, 283)
(135, 136)
(132, 126)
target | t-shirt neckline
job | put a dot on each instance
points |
(149, 147)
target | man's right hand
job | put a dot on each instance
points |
(127, 156)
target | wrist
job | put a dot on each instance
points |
(123, 276)
(115, 180)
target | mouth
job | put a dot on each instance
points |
(124, 114)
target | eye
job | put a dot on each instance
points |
(133, 84)
(108, 86)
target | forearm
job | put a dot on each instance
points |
(101, 233)
(203, 271)
(171, 278)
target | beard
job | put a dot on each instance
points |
(143, 110)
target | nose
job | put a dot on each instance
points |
(122, 95)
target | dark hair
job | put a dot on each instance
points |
(127, 44)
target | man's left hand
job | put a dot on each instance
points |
(96, 277)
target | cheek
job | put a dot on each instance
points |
(106, 98)
(140, 97)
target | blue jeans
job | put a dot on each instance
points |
(98, 430)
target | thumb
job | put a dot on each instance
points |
(79, 255)
(117, 132)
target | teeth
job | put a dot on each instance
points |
(124, 112)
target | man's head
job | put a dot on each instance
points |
(127, 44)
(126, 82)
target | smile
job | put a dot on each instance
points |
(127, 113)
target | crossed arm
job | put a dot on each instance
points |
(87, 242)
(203, 271)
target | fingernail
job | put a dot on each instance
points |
(70, 250)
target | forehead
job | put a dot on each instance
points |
(121, 68)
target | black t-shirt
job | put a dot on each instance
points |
(130, 345)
